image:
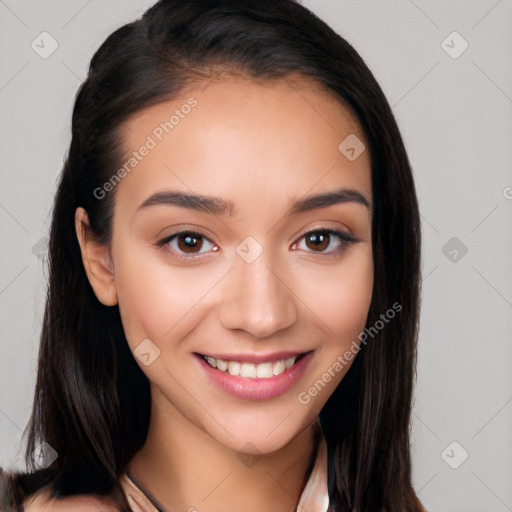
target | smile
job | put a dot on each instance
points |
(254, 376)
(249, 370)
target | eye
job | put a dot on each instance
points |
(187, 242)
(321, 239)
(188, 245)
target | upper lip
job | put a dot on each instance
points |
(255, 358)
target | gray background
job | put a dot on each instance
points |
(454, 110)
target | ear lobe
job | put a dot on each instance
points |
(96, 259)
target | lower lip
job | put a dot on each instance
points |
(256, 389)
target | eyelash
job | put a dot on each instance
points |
(345, 241)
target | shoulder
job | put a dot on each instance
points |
(42, 502)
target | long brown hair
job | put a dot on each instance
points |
(92, 402)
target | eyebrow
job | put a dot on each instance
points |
(219, 206)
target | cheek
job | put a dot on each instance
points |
(140, 301)
(340, 295)
(155, 300)
(340, 299)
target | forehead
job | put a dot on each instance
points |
(240, 137)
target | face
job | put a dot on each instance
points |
(240, 304)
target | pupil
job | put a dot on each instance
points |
(319, 240)
(189, 242)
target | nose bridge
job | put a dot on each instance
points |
(257, 299)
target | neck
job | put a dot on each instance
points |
(183, 468)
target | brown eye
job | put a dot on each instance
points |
(320, 240)
(187, 243)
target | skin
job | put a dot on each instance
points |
(261, 145)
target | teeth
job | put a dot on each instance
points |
(221, 365)
(278, 367)
(289, 362)
(250, 370)
(234, 368)
(264, 371)
(247, 370)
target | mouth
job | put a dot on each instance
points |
(272, 367)
(255, 376)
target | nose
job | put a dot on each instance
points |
(257, 298)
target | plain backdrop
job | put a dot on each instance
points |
(445, 67)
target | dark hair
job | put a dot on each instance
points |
(92, 401)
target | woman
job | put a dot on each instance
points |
(233, 300)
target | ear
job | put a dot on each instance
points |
(97, 261)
